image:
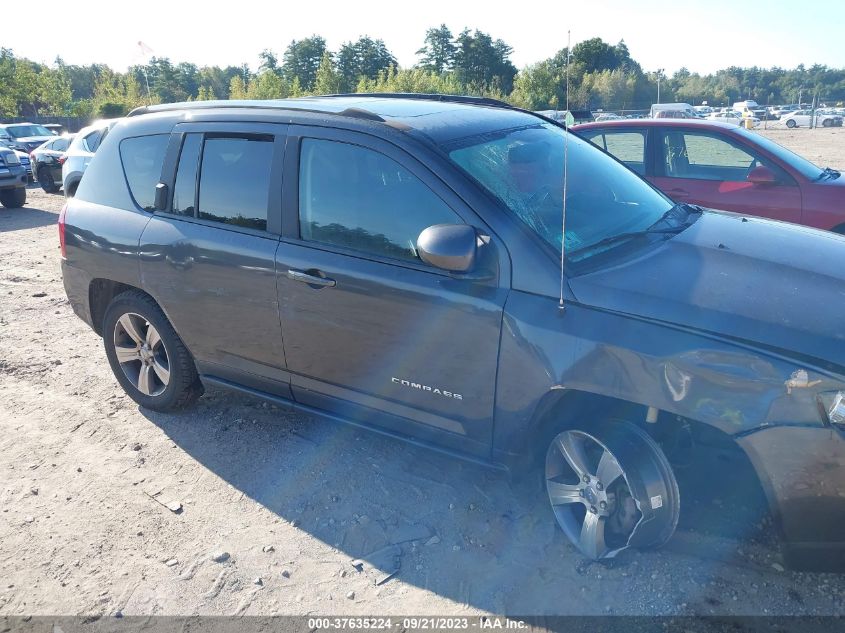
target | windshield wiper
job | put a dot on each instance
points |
(625, 237)
(679, 216)
(675, 220)
(827, 172)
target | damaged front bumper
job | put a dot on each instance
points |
(802, 470)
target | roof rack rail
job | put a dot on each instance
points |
(269, 104)
(359, 113)
(423, 96)
(486, 101)
(194, 105)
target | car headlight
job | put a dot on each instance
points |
(833, 403)
(12, 159)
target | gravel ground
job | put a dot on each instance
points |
(823, 146)
(279, 513)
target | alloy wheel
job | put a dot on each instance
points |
(141, 354)
(590, 495)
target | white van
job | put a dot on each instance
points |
(673, 107)
(749, 108)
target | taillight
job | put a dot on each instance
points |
(61, 160)
(62, 230)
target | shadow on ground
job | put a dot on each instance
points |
(27, 217)
(490, 544)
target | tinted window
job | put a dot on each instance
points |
(235, 180)
(60, 145)
(184, 193)
(355, 197)
(92, 141)
(142, 157)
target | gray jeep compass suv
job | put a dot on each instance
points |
(395, 261)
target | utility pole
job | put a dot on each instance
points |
(659, 73)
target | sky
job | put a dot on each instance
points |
(701, 36)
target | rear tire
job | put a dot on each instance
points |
(46, 180)
(827, 123)
(13, 198)
(791, 123)
(146, 355)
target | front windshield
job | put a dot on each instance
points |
(523, 167)
(24, 131)
(798, 163)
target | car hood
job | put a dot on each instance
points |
(775, 284)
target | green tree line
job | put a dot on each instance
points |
(601, 75)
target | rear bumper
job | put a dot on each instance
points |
(802, 470)
(77, 283)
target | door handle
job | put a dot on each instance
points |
(312, 278)
(679, 193)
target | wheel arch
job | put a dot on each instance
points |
(561, 408)
(71, 184)
(100, 294)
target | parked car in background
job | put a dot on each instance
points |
(802, 118)
(23, 157)
(750, 108)
(702, 110)
(785, 109)
(674, 114)
(81, 151)
(24, 136)
(723, 166)
(671, 107)
(732, 117)
(56, 128)
(13, 179)
(608, 116)
(47, 162)
(410, 251)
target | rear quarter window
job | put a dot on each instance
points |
(142, 158)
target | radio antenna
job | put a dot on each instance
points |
(565, 164)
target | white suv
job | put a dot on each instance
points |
(80, 152)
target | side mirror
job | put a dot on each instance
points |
(160, 200)
(762, 175)
(451, 247)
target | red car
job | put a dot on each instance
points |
(723, 166)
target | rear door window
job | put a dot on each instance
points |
(234, 185)
(142, 158)
(91, 141)
(185, 190)
(626, 145)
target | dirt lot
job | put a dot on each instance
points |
(825, 147)
(275, 506)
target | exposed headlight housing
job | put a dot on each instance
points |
(12, 159)
(833, 403)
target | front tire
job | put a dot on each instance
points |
(791, 123)
(611, 487)
(13, 198)
(146, 355)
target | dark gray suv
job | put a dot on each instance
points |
(395, 262)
